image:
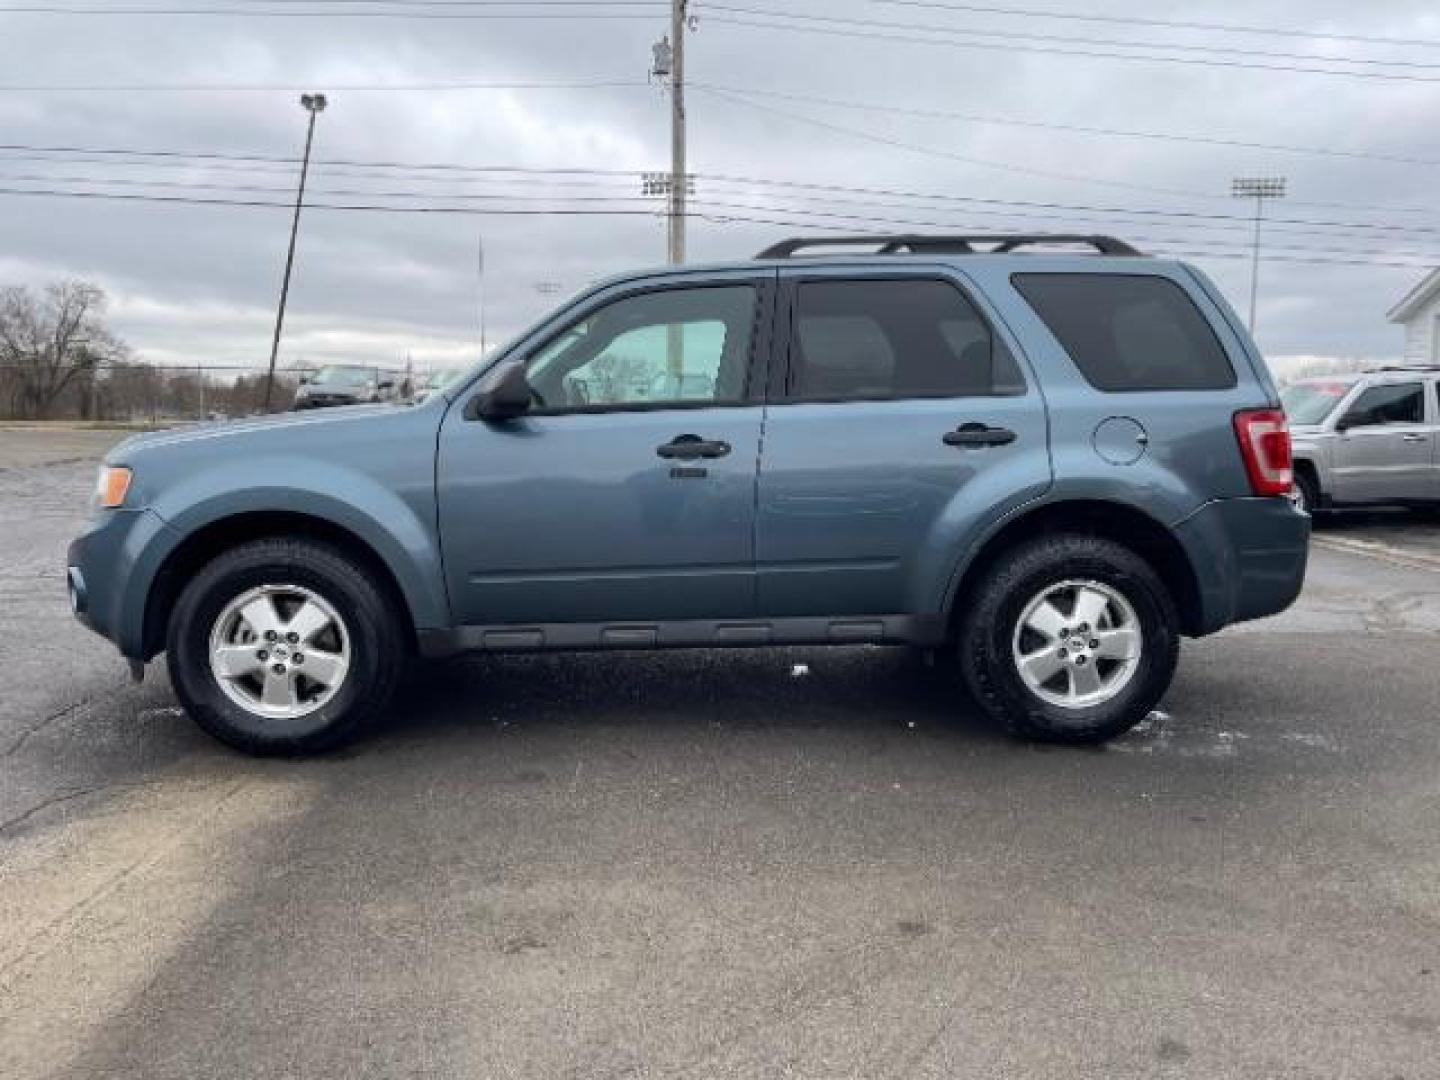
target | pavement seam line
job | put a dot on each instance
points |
(1376, 550)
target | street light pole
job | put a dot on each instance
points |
(1258, 188)
(314, 104)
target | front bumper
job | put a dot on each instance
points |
(110, 568)
(1249, 557)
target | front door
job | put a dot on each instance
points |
(898, 399)
(627, 492)
(1383, 446)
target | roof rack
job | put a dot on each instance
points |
(1408, 367)
(948, 245)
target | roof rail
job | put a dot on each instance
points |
(1408, 367)
(948, 245)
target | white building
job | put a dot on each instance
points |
(1419, 313)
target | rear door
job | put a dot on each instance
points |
(896, 398)
(1384, 446)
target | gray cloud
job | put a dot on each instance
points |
(198, 284)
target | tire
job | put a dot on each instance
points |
(354, 635)
(1056, 569)
(1306, 494)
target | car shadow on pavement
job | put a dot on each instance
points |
(848, 689)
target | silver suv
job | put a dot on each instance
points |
(1366, 439)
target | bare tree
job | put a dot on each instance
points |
(50, 341)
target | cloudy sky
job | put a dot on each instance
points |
(454, 120)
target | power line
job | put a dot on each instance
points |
(930, 151)
(431, 87)
(1067, 39)
(1008, 210)
(439, 171)
(1009, 45)
(582, 12)
(945, 114)
(1168, 24)
(715, 211)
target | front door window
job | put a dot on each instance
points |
(676, 346)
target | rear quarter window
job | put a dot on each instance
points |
(1129, 331)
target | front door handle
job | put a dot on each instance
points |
(693, 446)
(1414, 437)
(979, 435)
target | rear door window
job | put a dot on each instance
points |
(1129, 331)
(889, 338)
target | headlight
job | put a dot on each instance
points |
(112, 486)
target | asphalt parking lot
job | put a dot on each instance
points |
(804, 863)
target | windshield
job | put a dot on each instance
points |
(343, 375)
(1311, 403)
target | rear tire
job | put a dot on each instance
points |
(1109, 667)
(1306, 493)
(239, 638)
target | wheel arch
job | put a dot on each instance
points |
(225, 533)
(1120, 522)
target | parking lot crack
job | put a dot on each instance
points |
(45, 804)
(44, 722)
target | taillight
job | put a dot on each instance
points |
(1264, 438)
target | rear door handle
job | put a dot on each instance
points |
(693, 446)
(1414, 437)
(979, 435)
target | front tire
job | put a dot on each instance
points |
(1071, 638)
(283, 647)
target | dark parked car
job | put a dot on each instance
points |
(1050, 466)
(346, 384)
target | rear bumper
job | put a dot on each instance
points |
(1249, 557)
(109, 571)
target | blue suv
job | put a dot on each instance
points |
(1046, 464)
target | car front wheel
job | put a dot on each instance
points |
(1071, 638)
(284, 646)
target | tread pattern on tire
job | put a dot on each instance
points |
(984, 644)
(349, 586)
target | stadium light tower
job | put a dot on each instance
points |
(1258, 188)
(314, 104)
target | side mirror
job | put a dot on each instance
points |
(504, 394)
(1351, 420)
(305, 379)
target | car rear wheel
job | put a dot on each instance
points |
(1304, 494)
(284, 646)
(1070, 638)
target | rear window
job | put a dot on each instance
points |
(882, 339)
(1129, 331)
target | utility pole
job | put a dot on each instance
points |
(1258, 188)
(678, 179)
(314, 104)
(480, 287)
